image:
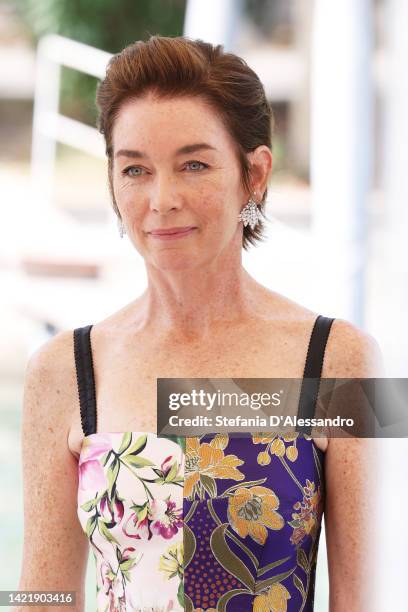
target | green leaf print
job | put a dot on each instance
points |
(138, 446)
(295, 523)
(299, 585)
(105, 457)
(140, 509)
(127, 565)
(189, 545)
(90, 505)
(126, 440)
(172, 472)
(113, 471)
(180, 594)
(302, 560)
(136, 462)
(269, 581)
(209, 485)
(91, 525)
(104, 531)
(188, 604)
(267, 568)
(228, 559)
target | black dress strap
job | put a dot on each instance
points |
(85, 378)
(313, 369)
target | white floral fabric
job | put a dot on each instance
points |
(130, 505)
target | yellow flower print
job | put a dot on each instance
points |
(208, 459)
(171, 562)
(276, 446)
(292, 453)
(274, 600)
(264, 458)
(251, 510)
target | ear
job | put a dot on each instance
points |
(261, 166)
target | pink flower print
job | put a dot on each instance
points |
(111, 510)
(95, 446)
(170, 469)
(126, 553)
(91, 474)
(136, 527)
(166, 465)
(166, 520)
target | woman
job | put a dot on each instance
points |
(188, 139)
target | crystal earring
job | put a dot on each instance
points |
(250, 214)
(121, 227)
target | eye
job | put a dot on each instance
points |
(197, 162)
(133, 170)
(127, 172)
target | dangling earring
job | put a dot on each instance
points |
(250, 214)
(121, 227)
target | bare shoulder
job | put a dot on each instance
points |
(52, 360)
(53, 351)
(50, 383)
(351, 353)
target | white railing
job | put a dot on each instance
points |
(49, 125)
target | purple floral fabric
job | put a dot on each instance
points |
(252, 512)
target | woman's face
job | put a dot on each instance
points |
(174, 166)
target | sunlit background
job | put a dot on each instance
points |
(335, 73)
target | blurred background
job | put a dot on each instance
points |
(335, 74)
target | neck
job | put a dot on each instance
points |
(195, 302)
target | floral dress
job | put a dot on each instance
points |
(212, 523)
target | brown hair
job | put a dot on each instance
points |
(172, 66)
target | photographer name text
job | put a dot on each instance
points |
(257, 421)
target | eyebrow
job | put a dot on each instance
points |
(191, 148)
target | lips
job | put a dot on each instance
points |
(172, 230)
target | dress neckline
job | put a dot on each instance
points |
(121, 433)
(152, 433)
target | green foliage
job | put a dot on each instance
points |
(106, 24)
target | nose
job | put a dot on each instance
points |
(163, 197)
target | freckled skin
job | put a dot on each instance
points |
(167, 193)
(201, 315)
